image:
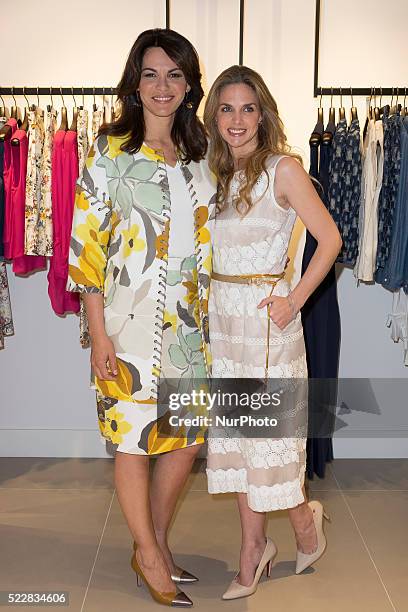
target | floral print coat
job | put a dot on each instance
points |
(119, 248)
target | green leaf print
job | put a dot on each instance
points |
(199, 371)
(182, 340)
(177, 357)
(109, 298)
(194, 341)
(189, 263)
(141, 170)
(149, 196)
(173, 278)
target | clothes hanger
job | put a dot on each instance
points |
(50, 106)
(83, 100)
(369, 112)
(377, 112)
(404, 109)
(318, 130)
(95, 106)
(331, 126)
(5, 131)
(113, 107)
(24, 125)
(74, 124)
(14, 109)
(64, 116)
(103, 106)
(3, 109)
(342, 110)
(39, 110)
(354, 114)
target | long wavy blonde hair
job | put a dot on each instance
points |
(271, 137)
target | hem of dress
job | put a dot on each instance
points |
(260, 499)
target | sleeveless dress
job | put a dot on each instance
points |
(271, 471)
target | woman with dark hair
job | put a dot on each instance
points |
(140, 255)
(255, 325)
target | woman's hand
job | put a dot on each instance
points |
(279, 310)
(103, 357)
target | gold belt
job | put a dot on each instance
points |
(249, 279)
(254, 279)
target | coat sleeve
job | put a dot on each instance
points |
(91, 226)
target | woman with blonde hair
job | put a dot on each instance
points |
(254, 319)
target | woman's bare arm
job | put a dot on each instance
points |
(294, 188)
(103, 357)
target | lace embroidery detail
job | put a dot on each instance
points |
(227, 368)
(260, 499)
(286, 339)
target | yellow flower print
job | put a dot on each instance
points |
(192, 288)
(91, 271)
(90, 158)
(131, 242)
(207, 263)
(203, 235)
(114, 144)
(80, 199)
(115, 220)
(151, 153)
(201, 216)
(89, 232)
(172, 319)
(115, 426)
(162, 242)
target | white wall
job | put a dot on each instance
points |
(46, 406)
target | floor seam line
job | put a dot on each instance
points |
(97, 551)
(365, 544)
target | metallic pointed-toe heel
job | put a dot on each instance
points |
(181, 576)
(236, 590)
(176, 599)
(304, 560)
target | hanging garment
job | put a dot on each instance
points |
(22, 264)
(83, 148)
(372, 174)
(321, 328)
(7, 180)
(396, 267)
(344, 187)
(82, 137)
(64, 176)
(3, 120)
(389, 190)
(351, 195)
(398, 321)
(45, 229)
(33, 206)
(6, 318)
(270, 470)
(97, 119)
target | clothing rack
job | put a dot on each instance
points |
(338, 91)
(57, 91)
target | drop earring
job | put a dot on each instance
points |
(188, 104)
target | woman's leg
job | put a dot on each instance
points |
(302, 522)
(132, 487)
(169, 477)
(253, 540)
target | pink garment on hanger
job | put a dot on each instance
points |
(15, 207)
(7, 177)
(64, 177)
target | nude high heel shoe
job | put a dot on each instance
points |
(303, 560)
(181, 576)
(176, 599)
(236, 590)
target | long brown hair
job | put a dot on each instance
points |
(271, 136)
(187, 133)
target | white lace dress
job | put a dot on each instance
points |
(271, 471)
